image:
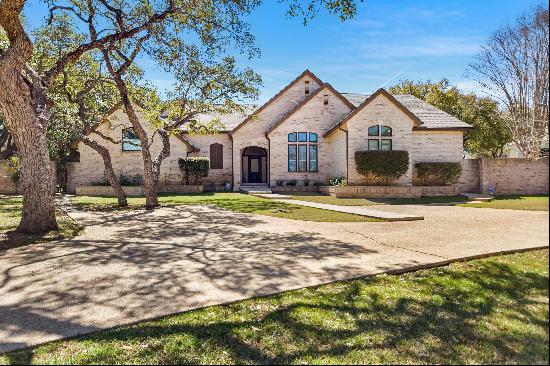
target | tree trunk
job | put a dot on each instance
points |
(36, 183)
(109, 171)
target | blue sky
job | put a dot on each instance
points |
(388, 41)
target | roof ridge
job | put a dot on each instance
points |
(281, 92)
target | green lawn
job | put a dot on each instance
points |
(486, 311)
(10, 215)
(237, 202)
(316, 197)
(531, 203)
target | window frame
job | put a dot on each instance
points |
(305, 159)
(310, 147)
(377, 144)
(306, 136)
(316, 137)
(295, 146)
(388, 140)
(130, 142)
(295, 137)
(377, 131)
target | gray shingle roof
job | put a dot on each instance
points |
(229, 121)
(430, 116)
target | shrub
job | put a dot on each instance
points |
(306, 182)
(317, 183)
(13, 168)
(280, 182)
(291, 182)
(381, 166)
(102, 182)
(337, 181)
(130, 180)
(195, 167)
(438, 174)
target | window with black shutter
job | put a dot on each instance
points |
(216, 156)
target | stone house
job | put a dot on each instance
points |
(307, 131)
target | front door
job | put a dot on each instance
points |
(254, 169)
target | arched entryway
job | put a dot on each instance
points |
(254, 165)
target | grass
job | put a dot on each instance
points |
(319, 198)
(10, 215)
(493, 310)
(236, 202)
(530, 203)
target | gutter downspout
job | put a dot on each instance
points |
(268, 162)
(232, 163)
(347, 152)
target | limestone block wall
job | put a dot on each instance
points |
(314, 117)
(338, 151)
(437, 146)
(380, 111)
(91, 167)
(253, 132)
(514, 176)
(203, 142)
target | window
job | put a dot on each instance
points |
(325, 99)
(373, 144)
(385, 131)
(216, 156)
(373, 131)
(385, 144)
(130, 140)
(312, 158)
(302, 158)
(306, 87)
(292, 158)
(380, 143)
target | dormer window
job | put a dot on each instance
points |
(306, 87)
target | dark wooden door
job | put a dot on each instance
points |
(254, 169)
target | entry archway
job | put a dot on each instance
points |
(254, 165)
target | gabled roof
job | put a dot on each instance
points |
(366, 102)
(276, 96)
(424, 115)
(305, 101)
(430, 116)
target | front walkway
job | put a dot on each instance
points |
(356, 210)
(128, 266)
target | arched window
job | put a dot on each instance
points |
(380, 138)
(216, 156)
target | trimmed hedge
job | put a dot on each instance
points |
(438, 174)
(382, 166)
(196, 167)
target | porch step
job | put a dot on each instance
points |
(477, 197)
(255, 190)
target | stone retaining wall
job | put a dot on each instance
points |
(290, 189)
(373, 191)
(107, 191)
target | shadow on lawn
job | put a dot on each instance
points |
(441, 326)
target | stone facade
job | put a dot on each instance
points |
(305, 105)
(514, 176)
(314, 117)
(91, 169)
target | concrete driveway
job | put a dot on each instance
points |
(133, 265)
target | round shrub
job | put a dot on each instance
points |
(381, 166)
(437, 173)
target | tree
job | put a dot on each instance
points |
(491, 132)
(24, 101)
(513, 66)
